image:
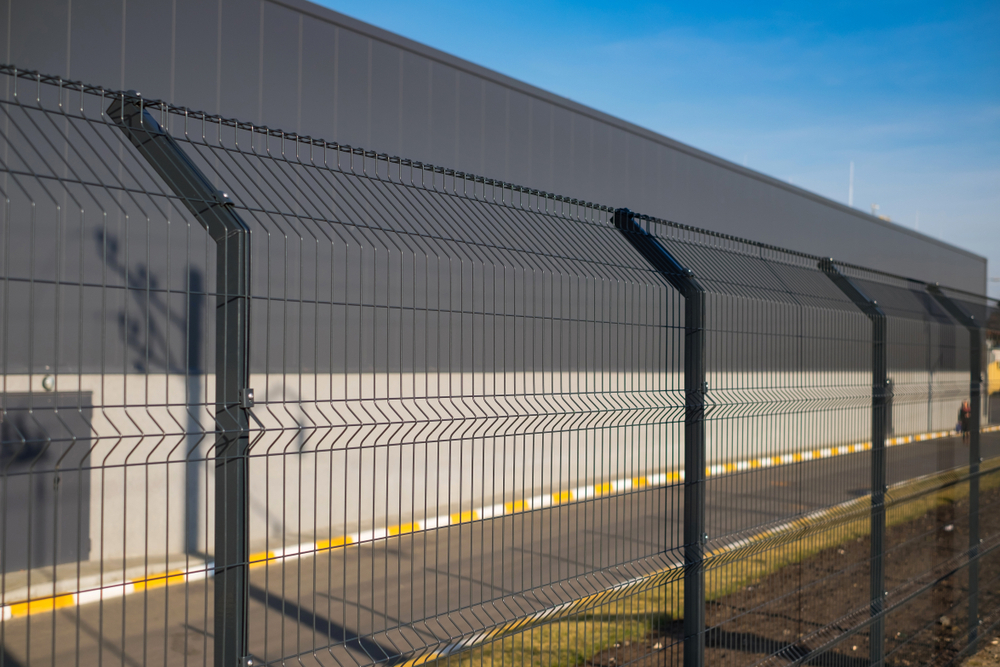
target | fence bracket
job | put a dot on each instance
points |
(214, 211)
(880, 401)
(695, 389)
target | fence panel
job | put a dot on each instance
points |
(789, 408)
(441, 417)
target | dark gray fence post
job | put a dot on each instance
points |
(233, 397)
(880, 400)
(694, 428)
(975, 401)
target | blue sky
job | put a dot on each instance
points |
(909, 91)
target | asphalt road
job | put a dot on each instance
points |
(372, 602)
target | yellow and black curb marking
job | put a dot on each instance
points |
(203, 570)
(41, 605)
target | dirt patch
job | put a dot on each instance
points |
(988, 656)
(781, 617)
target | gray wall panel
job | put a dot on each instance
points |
(583, 150)
(611, 166)
(35, 24)
(280, 65)
(543, 141)
(148, 43)
(443, 115)
(494, 157)
(471, 124)
(415, 95)
(319, 78)
(385, 98)
(239, 79)
(353, 94)
(95, 39)
(364, 86)
(562, 144)
(517, 165)
(196, 57)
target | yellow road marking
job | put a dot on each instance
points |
(159, 580)
(260, 557)
(334, 542)
(38, 606)
(403, 529)
(515, 507)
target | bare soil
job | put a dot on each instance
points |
(988, 656)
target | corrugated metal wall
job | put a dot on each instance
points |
(302, 68)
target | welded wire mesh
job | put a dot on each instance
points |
(466, 435)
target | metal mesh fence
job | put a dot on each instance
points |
(441, 417)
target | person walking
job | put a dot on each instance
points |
(964, 418)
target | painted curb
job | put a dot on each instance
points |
(118, 589)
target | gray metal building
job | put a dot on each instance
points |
(293, 65)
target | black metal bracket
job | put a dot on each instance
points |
(215, 212)
(880, 400)
(682, 279)
(695, 388)
(975, 404)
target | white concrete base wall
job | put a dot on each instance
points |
(333, 454)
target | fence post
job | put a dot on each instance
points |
(233, 397)
(695, 387)
(975, 401)
(880, 399)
